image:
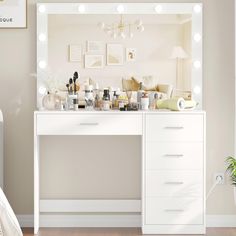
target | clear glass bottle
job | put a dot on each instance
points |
(106, 100)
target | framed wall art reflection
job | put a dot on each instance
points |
(13, 14)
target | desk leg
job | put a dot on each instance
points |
(36, 183)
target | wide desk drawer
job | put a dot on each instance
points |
(92, 124)
(174, 211)
(174, 155)
(174, 183)
(175, 127)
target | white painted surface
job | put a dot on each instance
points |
(176, 183)
(131, 220)
(90, 206)
(173, 198)
(1, 151)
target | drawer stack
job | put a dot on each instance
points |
(173, 174)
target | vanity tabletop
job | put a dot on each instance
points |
(82, 111)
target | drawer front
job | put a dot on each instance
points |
(174, 211)
(94, 124)
(174, 156)
(174, 127)
(174, 183)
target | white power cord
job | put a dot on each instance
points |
(217, 181)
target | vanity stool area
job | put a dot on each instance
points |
(173, 163)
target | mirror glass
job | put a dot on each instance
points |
(107, 49)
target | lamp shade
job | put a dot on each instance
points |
(178, 52)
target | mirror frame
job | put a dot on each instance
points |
(44, 9)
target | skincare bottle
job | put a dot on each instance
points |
(145, 101)
(153, 103)
(76, 104)
(89, 99)
(106, 100)
(140, 93)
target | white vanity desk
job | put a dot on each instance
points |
(173, 165)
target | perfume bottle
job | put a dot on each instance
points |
(145, 101)
(140, 93)
(106, 100)
(89, 98)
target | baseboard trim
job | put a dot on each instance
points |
(96, 220)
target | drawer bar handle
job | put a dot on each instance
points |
(174, 155)
(88, 124)
(174, 127)
(174, 183)
(174, 210)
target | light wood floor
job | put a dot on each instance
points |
(113, 232)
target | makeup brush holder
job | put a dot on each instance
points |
(70, 100)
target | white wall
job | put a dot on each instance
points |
(18, 101)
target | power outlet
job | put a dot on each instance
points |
(220, 177)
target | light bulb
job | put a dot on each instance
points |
(42, 64)
(197, 8)
(42, 37)
(42, 90)
(101, 25)
(197, 90)
(197, 37)
(120, 9)
(197, 64)
(158, 8)
(42, 8)
(81, 8)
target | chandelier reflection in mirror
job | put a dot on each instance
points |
(122, 29)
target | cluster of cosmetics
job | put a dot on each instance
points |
(92, 98)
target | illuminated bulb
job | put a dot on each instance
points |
(42, 8)
(197, 37)
(197, 8)
(42, 37)
(158, 9)
(101, 25)
(81, 8)
(197, 90)
(197, 64)
(42, 90)
(42, 64)
(120, 9)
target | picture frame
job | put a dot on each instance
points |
(115, 54)
(95, 46)
(93, 61)
(75, 53)
(13, 14)
(131, 54)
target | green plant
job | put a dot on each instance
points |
(231, 169)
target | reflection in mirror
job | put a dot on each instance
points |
(108, 49)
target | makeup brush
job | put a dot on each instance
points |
(67, 85)
(71, 82)
(75, 77)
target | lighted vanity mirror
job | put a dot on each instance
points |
(109, 43)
